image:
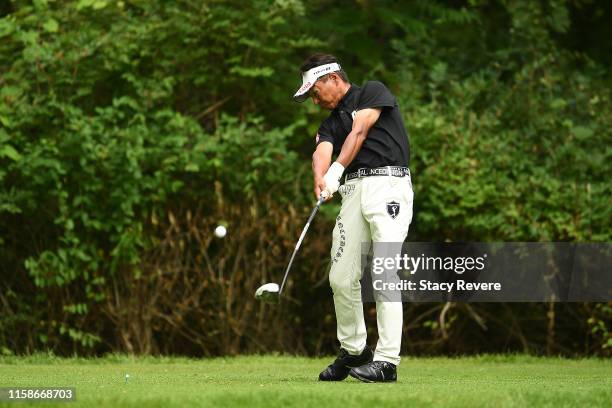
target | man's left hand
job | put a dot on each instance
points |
(332, 178)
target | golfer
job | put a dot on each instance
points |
(366, 134)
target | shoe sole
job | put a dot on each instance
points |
(367, 380)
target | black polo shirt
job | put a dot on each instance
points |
(387, 141)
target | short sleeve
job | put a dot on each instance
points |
(375, 94)
(324, 134)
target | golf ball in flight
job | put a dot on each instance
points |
(220, 231)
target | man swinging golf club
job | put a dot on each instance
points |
(366, 134)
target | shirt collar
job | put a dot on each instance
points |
(347, 96)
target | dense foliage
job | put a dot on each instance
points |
(129, 129)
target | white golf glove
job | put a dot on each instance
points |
(332, 179)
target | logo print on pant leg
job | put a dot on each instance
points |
(346, 190)
(393, 208)
(342, 240)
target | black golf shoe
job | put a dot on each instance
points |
(339, 369)
(376, 371)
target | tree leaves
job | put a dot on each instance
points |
(51, 25)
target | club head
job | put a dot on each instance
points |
(268, 293)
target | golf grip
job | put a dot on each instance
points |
(302, 235)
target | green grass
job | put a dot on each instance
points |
(277, 381)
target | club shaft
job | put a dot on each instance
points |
(299, 243)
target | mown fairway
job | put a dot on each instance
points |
(280, 381)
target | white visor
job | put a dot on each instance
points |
(310, 77)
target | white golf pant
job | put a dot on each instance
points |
(378, 209)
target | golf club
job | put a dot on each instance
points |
(270, 292)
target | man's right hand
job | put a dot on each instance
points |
(321, 160)
(320, 188)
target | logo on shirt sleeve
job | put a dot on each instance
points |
(317, 138)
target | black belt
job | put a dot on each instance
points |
(393, 171)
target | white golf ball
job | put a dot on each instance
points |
(220, 231)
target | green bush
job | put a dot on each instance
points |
(130, 129)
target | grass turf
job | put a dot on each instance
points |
(280, 381)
